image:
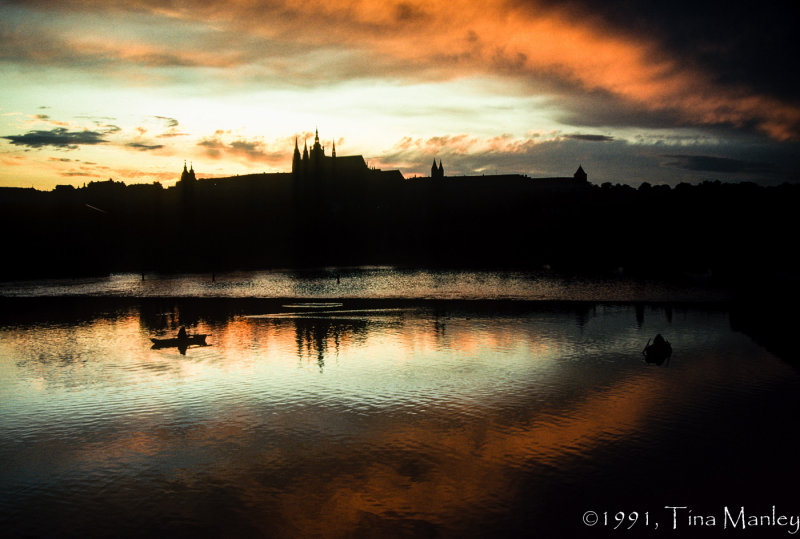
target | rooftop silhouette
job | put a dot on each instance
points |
(333, 209)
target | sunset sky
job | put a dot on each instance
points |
(663, 91)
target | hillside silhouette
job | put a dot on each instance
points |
(335, 211)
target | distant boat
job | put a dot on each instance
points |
(657, 352)
(198, 339)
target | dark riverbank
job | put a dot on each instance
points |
(731, 233)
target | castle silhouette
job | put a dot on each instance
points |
(332, 209)
(313, 168)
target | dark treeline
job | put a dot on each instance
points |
(730, 231)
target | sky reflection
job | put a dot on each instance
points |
(418, 419)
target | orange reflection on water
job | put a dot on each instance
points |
(474, 467)
(327, 424)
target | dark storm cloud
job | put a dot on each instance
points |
(617, 161)
(59, 137)
(739, 43)
(599, 108)
(710, 163)
(616, 63)
(589, 137)
(534, 156)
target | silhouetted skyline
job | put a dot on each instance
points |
(337, 211)
(666, 92)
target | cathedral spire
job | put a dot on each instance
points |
(185, 174)
(296, 158)
(333, 150)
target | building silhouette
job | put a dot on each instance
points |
(580, 175)
(334, 209)
(315, 171)
(313, 168)
(187, 176)
(187, 185)
(437, 172)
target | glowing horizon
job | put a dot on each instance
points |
(129, 91)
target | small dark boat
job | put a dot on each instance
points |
(180, 342)
(657, 352)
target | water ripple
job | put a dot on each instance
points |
(419, 420)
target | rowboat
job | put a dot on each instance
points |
(657, 352)
(198, 339)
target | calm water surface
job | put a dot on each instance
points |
(382, 418)
(371, 282)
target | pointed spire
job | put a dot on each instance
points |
(191, 167)
(296, 159)
(185, 174)
(580, 174)
(333, 151)
(316, 135)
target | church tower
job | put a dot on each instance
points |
(317, 151)
(316, 156)
(296, 159)
(580, 175)
(187, 176)
(437, 171)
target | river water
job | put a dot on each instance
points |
(372, 283)
(358, 409)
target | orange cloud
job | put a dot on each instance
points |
(535, 48)
(456, 38)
